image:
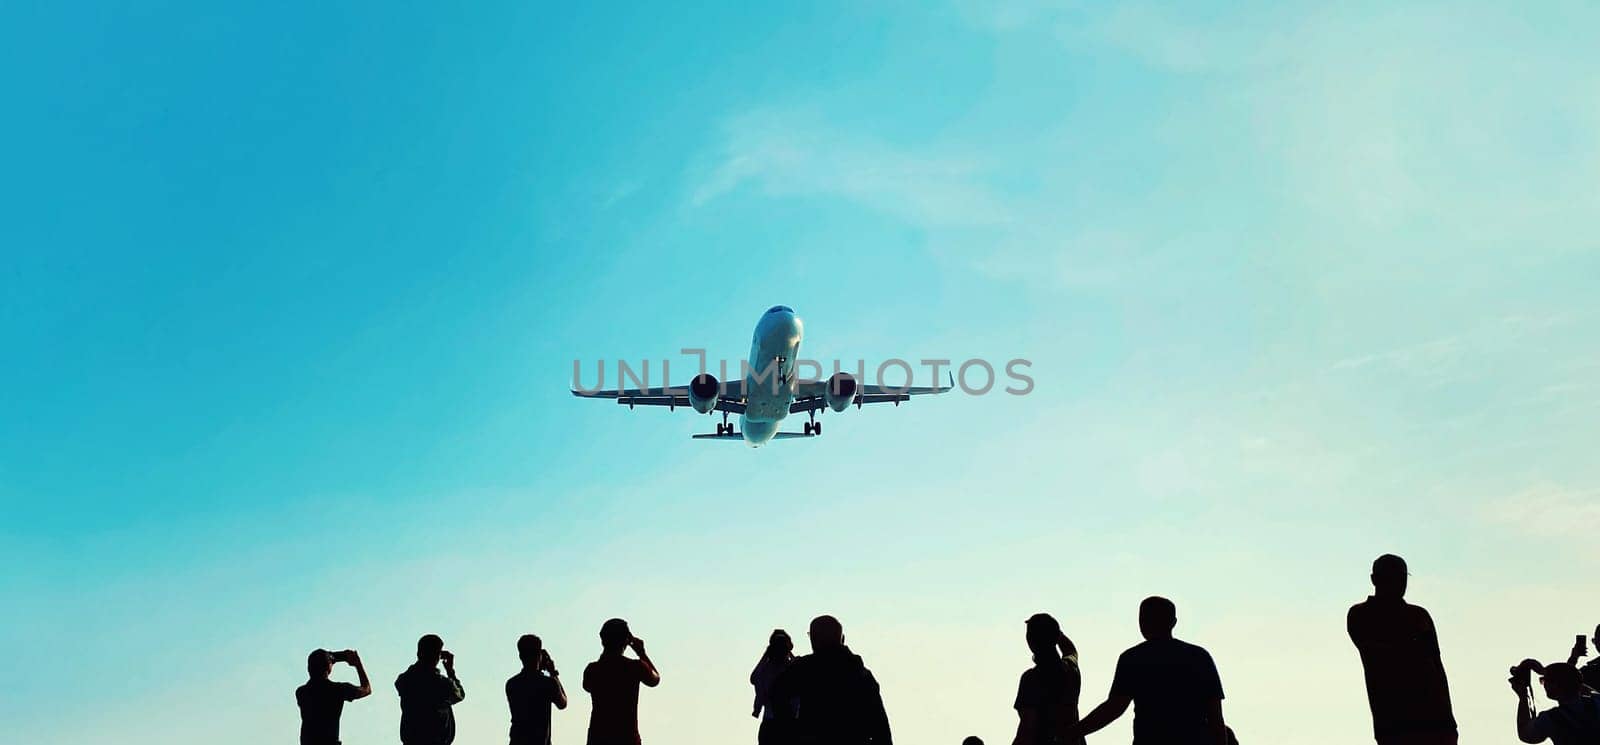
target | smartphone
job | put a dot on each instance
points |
(1583, 643)
(339, 656)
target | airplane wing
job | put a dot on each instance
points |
(811, 395)
(729, 400)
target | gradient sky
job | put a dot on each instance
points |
(290, 296)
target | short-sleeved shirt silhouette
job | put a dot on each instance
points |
(1406, 687)
(1591, 674)
(613, 684)
(1171, 683)
(836, 699)
(530, 696)
(321, 702)
(1575, 722)
(1050, 689)
(425, 700)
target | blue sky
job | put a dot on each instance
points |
(291, 296)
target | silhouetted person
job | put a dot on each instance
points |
(1590, 672)
(1406, 686)
(774, 714)
(1575, 720)
(1173, 686)
(1047, 695)
(836, 699)
(322, 700)
(531, 693)
(426, 696)
(613, 685)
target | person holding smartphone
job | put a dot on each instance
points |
(531, 693)
(322, 700)
(613, 684)
(1590, 672)
(426, 697)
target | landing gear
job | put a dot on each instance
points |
(724, 428)
(812, 427)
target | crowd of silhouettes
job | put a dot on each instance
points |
(829, 697)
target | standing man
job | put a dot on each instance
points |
(426, 696)
(1406, 686)
(322, 700)
(837, 699)
(1173, 686)
(613, 685)
(531, 692)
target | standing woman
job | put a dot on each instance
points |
(780, 652)
(1047, 695)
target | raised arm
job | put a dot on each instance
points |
(549, 666)
(456, 693)
(1579, 650)
(652, 676)
(365, 688)
(1527, 727)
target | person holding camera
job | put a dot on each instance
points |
(426, 696)
(1575, 720)
(322, 700)
(613, 685)
(531, 692)
(1406, 686)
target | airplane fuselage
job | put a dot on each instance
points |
(770, 380)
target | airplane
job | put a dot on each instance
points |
(769, 390)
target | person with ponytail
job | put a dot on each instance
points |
(1047, 695)
(773, 714)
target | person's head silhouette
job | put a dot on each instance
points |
(1389, 576)
(615, 635)
(826, 633)
(779, 645)
(1042, 635)
(1157, 617)
(1561, 681)
(529, 648)
(319, 664)
(1595, 640)
(429, 647)
(973, 740)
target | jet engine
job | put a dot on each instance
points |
(703, 392)
(841, 391)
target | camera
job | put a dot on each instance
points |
(339, 656)
(1523, 672)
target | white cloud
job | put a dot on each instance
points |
(789, 153)
(1548, 511)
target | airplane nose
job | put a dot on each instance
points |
(782, 328)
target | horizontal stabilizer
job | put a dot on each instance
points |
(740, 436)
